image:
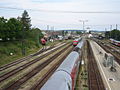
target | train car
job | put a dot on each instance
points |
(76, 41)
(112, 40)
(70, 66)
(80, 45)
(115, 42)
(43, 41)
(64, 77)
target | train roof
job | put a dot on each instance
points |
(68, 65)
(58, 81)
(117, 41)
(114, 40)
(80, 44)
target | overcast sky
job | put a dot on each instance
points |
(60, 20)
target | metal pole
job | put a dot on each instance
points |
(83, 25)
(83, 21)
(110, 30)
(23, 42)
(47, 27)
(116, 26)
(52, 31)
(23, 36)
(110, 27)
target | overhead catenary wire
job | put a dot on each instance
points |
(61, 11)
(97, 25)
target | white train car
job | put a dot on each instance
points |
(64, 77)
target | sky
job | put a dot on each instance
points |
(65, 14)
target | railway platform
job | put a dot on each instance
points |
(111, 79)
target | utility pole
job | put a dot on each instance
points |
(105, 33)
(47, 27)
(105, 29)
(110, 27)
(53, 28)
(83, 22)
(110, 30)
(116, 26)
(116, 29)
(23, 39)
(23, 35)
(52, 31)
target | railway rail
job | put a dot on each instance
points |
(42, 81)
(111, 46)
(18, 69)
(16, 84)
(94, 78)
(110, 49)
(23, 59)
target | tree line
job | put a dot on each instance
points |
(115, 34)
(17, 28)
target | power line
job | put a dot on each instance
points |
(59, 23)
(48, 21)
(60, 11)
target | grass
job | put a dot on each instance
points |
(15, 47)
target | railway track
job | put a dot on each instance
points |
(23, 59)
(113, 50)
(15, 85)
(110, 49)
(22, 67)
(14, 63)
(111, 46)
(18, 69)
(94, 78)
(109, 42)
(42, 81)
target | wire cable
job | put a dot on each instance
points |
(60, 11)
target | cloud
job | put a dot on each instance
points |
(41, 19)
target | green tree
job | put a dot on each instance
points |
(14, 28)
(35, 34)
(107, 34)
(26, 21)
(10, 29)
(63, 32)
(3, 29)
(115, 34)
(78, 32)
(66, 32)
